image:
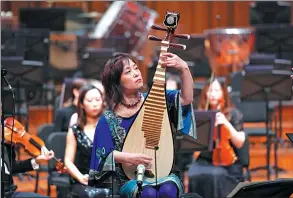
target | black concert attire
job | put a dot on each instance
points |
(208, 180)
(17, 167)
(82, 162)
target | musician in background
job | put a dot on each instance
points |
(80, 140)
(122, 81)
(63, 115)
(206, 179)
(97, 84)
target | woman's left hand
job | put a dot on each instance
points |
(174, 61)
(220, 119)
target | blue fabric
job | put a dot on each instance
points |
(111, 131)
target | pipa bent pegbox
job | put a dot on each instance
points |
(151, 134)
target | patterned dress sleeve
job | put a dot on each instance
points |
(102, 159)
(181, 116)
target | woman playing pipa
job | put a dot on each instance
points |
(136, 129)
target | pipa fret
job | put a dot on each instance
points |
(155, 104)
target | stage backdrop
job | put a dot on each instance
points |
(196, 16)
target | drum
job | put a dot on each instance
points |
(228, 49)
(125, 23)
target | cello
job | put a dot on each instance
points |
(15, 133)
(150, 133)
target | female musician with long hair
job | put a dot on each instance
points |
(80, 140)
(205, 178)
(122, 81)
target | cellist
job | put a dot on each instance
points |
(206, 178)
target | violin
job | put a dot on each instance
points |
(223, 153)
(32, 143)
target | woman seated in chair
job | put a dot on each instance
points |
(207, 178)
(80, 140)
(123, 81)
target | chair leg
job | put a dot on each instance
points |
(248, 175)
(37, 182)
(48, 189)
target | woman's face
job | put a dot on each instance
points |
(93, 103)
(215, 93)
(131, 77)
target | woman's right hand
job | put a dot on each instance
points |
(136, 159)
(84, 179)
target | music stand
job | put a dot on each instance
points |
(49, 18)
(290, 136)
(94, 61)
(28, 76)
(276, 188)
(184, 144)
(276, 39)
(274, 85)
(12, 47)
(194, 55)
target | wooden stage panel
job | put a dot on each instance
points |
(39, 115)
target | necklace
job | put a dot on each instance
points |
(129, 106)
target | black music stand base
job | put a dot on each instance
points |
(266, 86)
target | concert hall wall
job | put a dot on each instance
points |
(196, 16)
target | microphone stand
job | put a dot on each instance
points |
(140, 173)
(3, 80)
(139, 189)
(3, 73)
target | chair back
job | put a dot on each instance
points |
(44, 131)
(56, 142)
(253, 111)
(243, 153)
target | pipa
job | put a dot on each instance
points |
(151, 134)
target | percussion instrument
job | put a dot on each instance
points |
(125, 21)
(228, 49)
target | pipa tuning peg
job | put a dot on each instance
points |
(182, 36)
(178, 46)
(154, 38)
(157, 27)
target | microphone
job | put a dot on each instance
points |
(140, 174)
(3, 74)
